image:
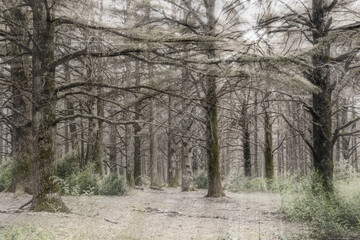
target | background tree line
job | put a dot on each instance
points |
(163, 90)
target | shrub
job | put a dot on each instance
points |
(331, 216)
(343, 170)
(237, 182)
(68, 165)
(201, 180)
(112, 185)
(83, 182)
(5, 174)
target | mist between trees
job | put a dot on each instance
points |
(160, 90)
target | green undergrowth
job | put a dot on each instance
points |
(5, 174)
(201, 180)
(237, 182)
(25, 233)
(76, 181)
(330, 216)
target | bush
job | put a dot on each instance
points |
(5, 174)
(331, 216)
(83, 182)
(343, 170)
(68, 165)
(237, 182)
(201, 180)
(112, 185)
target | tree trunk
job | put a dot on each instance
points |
(322, 102)
(137, 129)
(173, 180)
(268, 157)
(246, 140)
(186, 151)
(345, 140)
(113, 149)
(212, 139)
(21, 139)
(154, 176)
(46, 191)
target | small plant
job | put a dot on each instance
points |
(25, 233)
(112, 185)
(68, 165)
(84, 182)
(5, 174)
(201, 180)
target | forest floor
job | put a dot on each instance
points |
(151, 214)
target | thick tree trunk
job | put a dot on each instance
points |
(213, 149)
(322, 102)
(46, 191)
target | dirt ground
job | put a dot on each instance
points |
(151, 214)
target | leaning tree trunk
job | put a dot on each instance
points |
(322, 102)
(46, 191)
(212, 139)
(21, 133)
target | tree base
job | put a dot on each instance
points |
(49, 204)
(215, 193)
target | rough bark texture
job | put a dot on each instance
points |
(213, 149)
(46, 191)
(322, 102)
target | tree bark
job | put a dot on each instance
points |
(137, 129)
(246, 140)
(268, 157)
(213, 149)
(46, 191)
(186, 151)
(21, 133)
(322, 102)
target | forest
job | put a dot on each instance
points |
(179, 119)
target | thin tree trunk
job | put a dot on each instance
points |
(246, 140)
(268, 157)
(186, 150)
(137, 129)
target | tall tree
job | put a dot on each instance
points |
(46, 192)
